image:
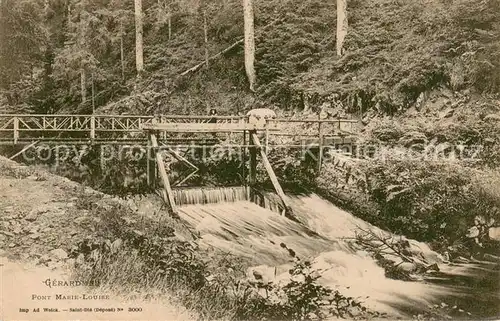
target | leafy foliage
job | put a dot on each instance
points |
(394, 51)
(440, 207)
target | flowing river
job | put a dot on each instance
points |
(324, 234)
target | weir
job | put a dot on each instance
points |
(186, 197)
(210, 195)
(214, 195)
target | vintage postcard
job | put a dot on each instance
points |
(249, 160)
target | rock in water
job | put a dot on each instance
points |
(494, 233)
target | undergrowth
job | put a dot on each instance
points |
(430, 201)
(138, 254)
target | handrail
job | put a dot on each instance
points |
(22, 128)
(74, 115)
(280, 120)
(333, 121)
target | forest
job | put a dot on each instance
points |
(76, 56)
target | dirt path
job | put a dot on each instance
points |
(41, 218)
(24, 289)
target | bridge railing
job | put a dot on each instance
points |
(309, 131)
(26, 128)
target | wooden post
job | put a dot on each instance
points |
(253, 159)
(320, 155)
(271, 174)
(92, 127)
(16, 130)
(244, 157)
(151, 165)
(169, 195)
(267, 136)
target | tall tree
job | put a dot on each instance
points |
(205, 34)
(139, 50)
(248, 19)
(342, 25)
(82, 42)
(22, 39)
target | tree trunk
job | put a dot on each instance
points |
(205, 32)
(46, 8)
(83, 47)
(249, 43)
(139, 59)
(93, 94)
(169, 22)
(83, 85)
(342, 25)
(122, 51)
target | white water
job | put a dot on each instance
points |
(212, 195)
(227, 220)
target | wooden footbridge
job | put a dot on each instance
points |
(164, 133)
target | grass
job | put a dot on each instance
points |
(139, 257)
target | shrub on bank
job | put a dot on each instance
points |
(445, 204)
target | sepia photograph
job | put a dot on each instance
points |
(240, 160)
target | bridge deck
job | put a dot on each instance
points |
(132, 129)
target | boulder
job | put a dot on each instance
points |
(473, 232)
(59, 254)
(33, 215)
(262, 273)
(116, 245)
(423, 251)
(6, 233)
(494, 233)
(408, 267)
(447, 113)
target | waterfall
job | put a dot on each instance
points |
(210, 195)
(215, 195)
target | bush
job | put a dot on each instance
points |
(428, 201)
(145, 256)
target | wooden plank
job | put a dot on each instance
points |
(16, 130)
(253, 161)
(180, 157)
(92, 128)
(329, 140)
(185, 161)
(320, 156)
(23, 150)
(201, 127)
(271, 173)
(151, 167)
(169, 197)
(267, 136)
(244, 158)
